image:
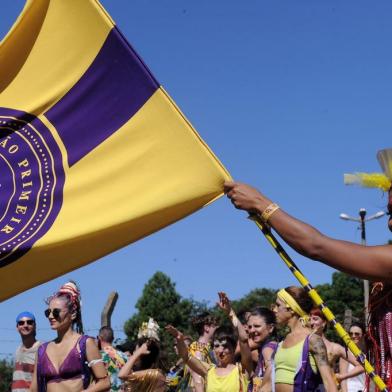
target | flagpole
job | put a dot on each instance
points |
(361, 357)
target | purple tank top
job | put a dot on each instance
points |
(73, 366)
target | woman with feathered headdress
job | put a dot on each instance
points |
(372, 262)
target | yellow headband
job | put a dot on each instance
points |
(375, 180)
(284, 296)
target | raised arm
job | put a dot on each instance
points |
(319, 351)
(372, 262)
(194, 364)
(246, 354)
(127, 369)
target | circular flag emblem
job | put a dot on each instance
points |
(31, 183)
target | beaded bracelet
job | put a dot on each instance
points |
(271, 208)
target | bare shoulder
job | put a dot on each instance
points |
(92, 348)
(339, 350)
(90, 342)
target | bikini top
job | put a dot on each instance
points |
(72, 367)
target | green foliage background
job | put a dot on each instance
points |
(6, 369)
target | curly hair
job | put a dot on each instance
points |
(203, 319)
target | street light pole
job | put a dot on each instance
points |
(362, 215)
(362, 220)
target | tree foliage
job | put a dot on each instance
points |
(6, 369)
(161, 301)
(345, 292)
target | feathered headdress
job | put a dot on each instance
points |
(375, 180)
(149, 330)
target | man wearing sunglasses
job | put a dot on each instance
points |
(25, 353)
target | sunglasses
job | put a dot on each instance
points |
(55, 312)
(223, 344)
(23, 322)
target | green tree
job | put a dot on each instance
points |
(161, 301)
(6, 369)
(257, 297)
(345, 292)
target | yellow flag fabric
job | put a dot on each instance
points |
(93, 152)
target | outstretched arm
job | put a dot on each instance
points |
(193, 363)
(373, 262)
(319, 351)
(246, 354)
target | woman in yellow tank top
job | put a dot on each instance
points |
(301, 355)
(227, 375)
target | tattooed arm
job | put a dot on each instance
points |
(319, 351)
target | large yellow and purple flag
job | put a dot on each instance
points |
(93, 152)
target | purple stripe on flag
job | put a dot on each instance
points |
(111, 91)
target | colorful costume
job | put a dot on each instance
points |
(204, 353)
(147, 380)
(380, 300)
(114, 360)
(380, 330)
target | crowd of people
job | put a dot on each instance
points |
(238, 355)
(246, 356)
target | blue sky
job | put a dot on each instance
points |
(289, 95)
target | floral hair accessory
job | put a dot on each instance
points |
(149, 330)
